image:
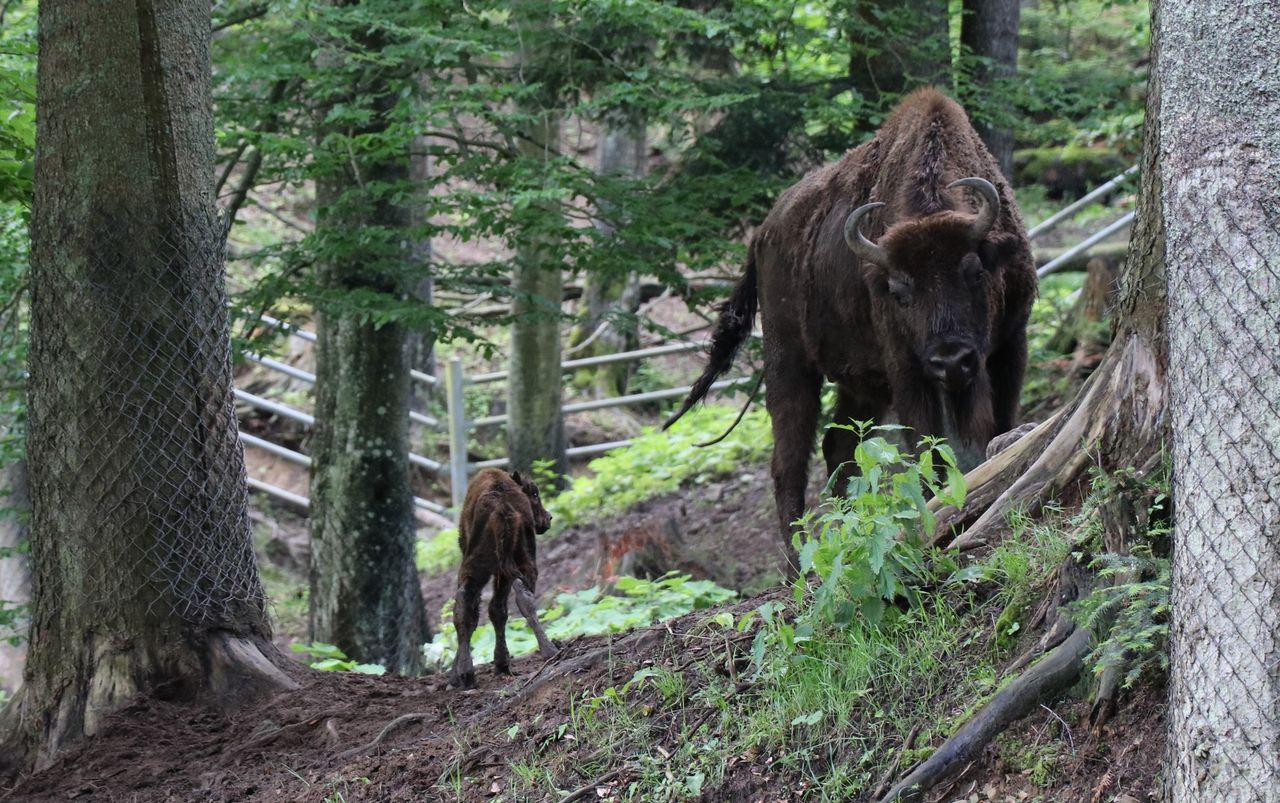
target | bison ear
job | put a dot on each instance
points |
(515, 475)
(995, 252)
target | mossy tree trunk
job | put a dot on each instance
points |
(1221, 101)
(365, 596)
(144, 571)
(535, 429)
(989, 32)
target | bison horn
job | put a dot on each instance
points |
(860, 245)
(990, 210)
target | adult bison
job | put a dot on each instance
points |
(881, 274)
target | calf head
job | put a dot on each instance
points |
(541, 518)
(935, 277)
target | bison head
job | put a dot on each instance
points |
(934, 283)
(541, 518)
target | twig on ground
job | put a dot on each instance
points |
(403, 719)
(889, 772)
(583, 791)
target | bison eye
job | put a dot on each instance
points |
(900, 290)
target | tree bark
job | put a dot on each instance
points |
(989, 32)
(420, 345)
(144, 571)
(365, 596)
(1221, 100)
(15, 572)
(535, 430)
(609, 299)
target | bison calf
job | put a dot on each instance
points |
(500, 517)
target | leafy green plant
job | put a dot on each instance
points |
(332, 659)
(438, 553)
(869, 546)
(627, 603)
(659, 462)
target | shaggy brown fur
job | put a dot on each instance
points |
(872, 329)
(501, 515)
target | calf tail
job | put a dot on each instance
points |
(737, 317)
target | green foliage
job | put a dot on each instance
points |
(659, 462)
(438, 553)
(869, 546)
(1082, 73)
(1133, 590)
(17, 104)
(332, 659)
(628, 603)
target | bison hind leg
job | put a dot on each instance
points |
(498, 616)
(838, 444)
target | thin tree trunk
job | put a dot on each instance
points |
(365, 596)
(989, 32)
(610, 299)
(144, 571)
(15, 571)
(535, 430)
(1221, 99)
(420, 345)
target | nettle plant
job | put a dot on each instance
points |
(870, 547)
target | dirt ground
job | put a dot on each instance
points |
(348, 737)
(356, 737)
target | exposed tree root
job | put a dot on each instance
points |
(1047, 679)
(1120, 409)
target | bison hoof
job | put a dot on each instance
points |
(551, 651)
(501, 669)
(462, 680)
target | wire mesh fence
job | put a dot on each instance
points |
(134, 431)
(1224, 378)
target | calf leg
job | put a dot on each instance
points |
(791, 395)
(524, 601)
(466, 615)
(498, 616)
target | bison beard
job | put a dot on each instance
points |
(878, 273)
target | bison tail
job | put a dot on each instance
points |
(737, 317)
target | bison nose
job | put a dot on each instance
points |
(953, 364)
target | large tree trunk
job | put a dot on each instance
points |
(989, 32)
(1221, 101)
(365, 596)
(144, 571)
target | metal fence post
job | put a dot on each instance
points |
(455, 382)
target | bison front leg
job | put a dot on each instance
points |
(1006, 367)
(791, 395)
(524, 601)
